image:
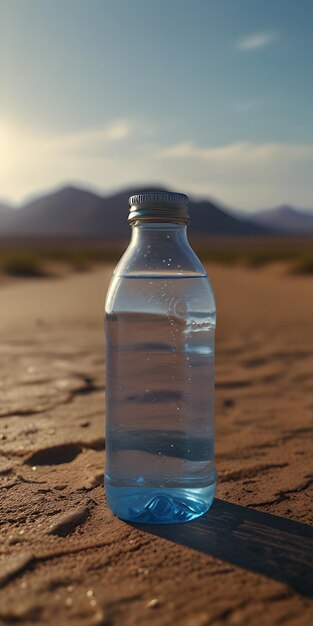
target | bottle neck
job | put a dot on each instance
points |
(157, 232)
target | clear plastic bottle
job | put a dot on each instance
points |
(160, 325)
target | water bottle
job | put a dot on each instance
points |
(160, 323)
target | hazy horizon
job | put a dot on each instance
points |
(39, 193)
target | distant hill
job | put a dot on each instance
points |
(285, 219)
(74, 212)
(208, 218)
(4, 207)
(7, 217)
(5, 210)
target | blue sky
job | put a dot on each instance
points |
(210, 97)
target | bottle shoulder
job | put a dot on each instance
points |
(158, 270)
(145, 260)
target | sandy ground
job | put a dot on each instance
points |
(64, 558)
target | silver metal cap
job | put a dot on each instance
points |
(159, 206)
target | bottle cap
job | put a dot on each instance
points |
(159, 206)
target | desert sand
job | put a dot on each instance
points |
(64, 558)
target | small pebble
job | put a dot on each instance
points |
(152, 604)
(61, 384)
(98, 618)
(89, 593)
(34, 468)
(69, 601)
(70, 588)
(142, 570)
(93, 602)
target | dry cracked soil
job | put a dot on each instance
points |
(65, 559)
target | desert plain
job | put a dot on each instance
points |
(65, 559)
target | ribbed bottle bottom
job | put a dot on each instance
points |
(151, 505)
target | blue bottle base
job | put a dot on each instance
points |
(152, 505)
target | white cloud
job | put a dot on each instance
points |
(257, 40)
(116, 130)
(245, 175)
(241, 152)
(242, 174)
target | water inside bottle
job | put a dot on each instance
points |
(160, 372)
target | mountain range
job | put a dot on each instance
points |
(285, 219)
(74, 212)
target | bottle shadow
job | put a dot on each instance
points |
(260, 542)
